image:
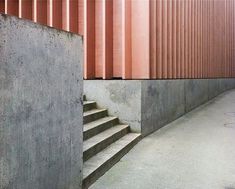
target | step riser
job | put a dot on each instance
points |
(100, 128)
(93, 117)
(103, 144)
(89, 180)
(87, 107)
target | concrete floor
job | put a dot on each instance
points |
(196, 151)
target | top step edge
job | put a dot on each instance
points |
(88, 102)
(95, 110)
(102, 120)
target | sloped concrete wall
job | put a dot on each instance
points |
(196, 93)
(40, 106)
(148, 105)
(162, 101)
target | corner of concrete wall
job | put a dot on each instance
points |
(162, 101)
(41, 119)
(214, 88)
(196, 93)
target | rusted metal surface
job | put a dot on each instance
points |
(169, 39)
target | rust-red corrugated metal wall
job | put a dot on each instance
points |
(143, 39)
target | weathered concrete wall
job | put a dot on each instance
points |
(196, 93)
(213, 88)
(121, 98)
(148, 105)
(162, 102)
(40, 106)
(226, 84)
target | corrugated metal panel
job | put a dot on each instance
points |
(2, 6)
(169, 39)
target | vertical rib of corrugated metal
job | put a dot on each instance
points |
(225, 39)
(174, 37)
(159, 38)
(126, 40)
(164, 39)
(2, 6)
(233, 42)
(201, 39)
(81, 15)
(153, 39)
(74, 16)
(208, 39)
(118, 34)
(231, 34)
(233, 37)
(99, 41)
(57, 13)
(42, 11)
(26, 9)
(140, 27)
(193, 39)
(66, 15)
(196, 40)
(122, 39)
(169, 39)
(108, 39)
(228, 41)
(189, 39)
(178, 66)
(12, 7)
(89, 39)
(186, 39)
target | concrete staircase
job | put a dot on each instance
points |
(105, 141)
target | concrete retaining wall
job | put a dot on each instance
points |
(40, 106)
(196, 93)
(148, 105)
(121, 98)
(161, 102)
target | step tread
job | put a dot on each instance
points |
(88, 102)
(96, 161)
(97, 122)
(93, 111)
(102, 136)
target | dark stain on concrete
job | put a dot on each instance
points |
(152, 91)
(230, 125)
(120, 94)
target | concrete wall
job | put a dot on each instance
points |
(40, 106)
(196, 93)
(148, 105)
(161, 102)
(121, 98)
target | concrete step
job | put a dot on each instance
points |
(95, 127)
(88, 105)
(99, 142)
(103, 161)
(94, 114)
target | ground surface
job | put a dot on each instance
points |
(196, 151)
